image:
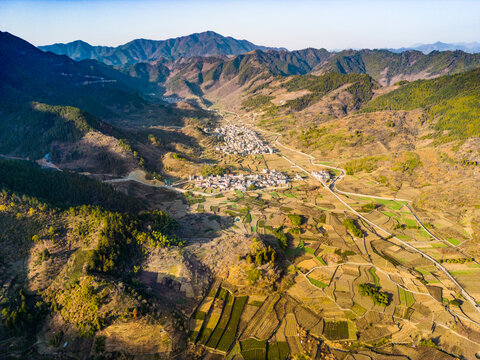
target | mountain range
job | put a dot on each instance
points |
(209, 57)
(469, 47)
(30, 75)
(206, 43)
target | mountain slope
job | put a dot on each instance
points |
(219, 76)
(45, 106)
(29, 74)
(452, 100)
(388, 67)
(206, 43)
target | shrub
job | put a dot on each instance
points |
(253, 275)
(55, 339)
(80, 306)
(352, 226)
(378, 297)
(295, 219)
(178, 157)
(99, 345)
(45, 254)
(411, 162)
(367, 164)
(257, 102)
(295, 231)
(208, 170)
(368, 207)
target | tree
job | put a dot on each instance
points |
(282, 239)
(353, 227)
(258, 259)
(45, 254)
(378, 297)
(295, 219)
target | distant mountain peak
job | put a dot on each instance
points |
(207, 43)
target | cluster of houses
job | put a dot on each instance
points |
(97, 80)
(322, 175)
(242, 182)
(241, 140)
(171, 99)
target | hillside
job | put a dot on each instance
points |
(209, 65)
(77, 239)
(29, 74)
(453, 102)
(217, 78)
(388, 68)
(206, 43)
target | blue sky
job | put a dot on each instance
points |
(294, 24)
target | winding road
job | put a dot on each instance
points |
(332, 189)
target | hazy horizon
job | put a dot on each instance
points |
(327, 24)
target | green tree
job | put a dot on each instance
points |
(295, 219)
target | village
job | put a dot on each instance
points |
(241, 140)
(242, 182)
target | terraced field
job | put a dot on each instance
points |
(252, 349)
(222, 323)
(228, 336)
(327, 264)
(258, 327)
(406, 297)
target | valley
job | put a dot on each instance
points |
(305, 204)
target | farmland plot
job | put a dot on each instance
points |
(336, 330)
(252, 349)
(291, 325)
(222, 323)
(212, 318)
(267, 326)
(406, 297)
(306, 318)
(280, 334)
(228, 336)
(257, 321)
(247, 315)
(294, 345)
